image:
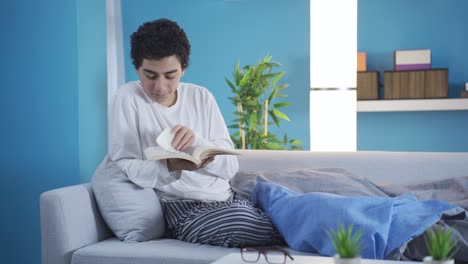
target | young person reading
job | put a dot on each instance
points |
(199, 205)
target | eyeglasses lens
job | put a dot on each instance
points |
(275, 257)
(250, 255)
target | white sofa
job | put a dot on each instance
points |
(73, 231)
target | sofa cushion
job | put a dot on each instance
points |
(163, 250)
(133, 213)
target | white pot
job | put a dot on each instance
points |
(429, 260)
(339, 260)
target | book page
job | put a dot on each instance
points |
(158, 153)
(202, 152)
(164, 140)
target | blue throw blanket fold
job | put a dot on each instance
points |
(387, 223)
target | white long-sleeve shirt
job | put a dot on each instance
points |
(135, 121)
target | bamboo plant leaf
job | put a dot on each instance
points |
(274, 146)
(281, 114)
(239, 113)
(271, 75)
(267, 59)
(237, 74)
(275, 64)
(282, 104)
(253, 121)
(297, 147)
(295, 141)
(244, 78)
(233, 88)
(282, 87)
(277, 77)
(274, 117)
(278, 95)
(272, 95)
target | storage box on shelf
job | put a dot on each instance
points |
(412, 59)
(361, 62)
(417, 84)
(368, 85)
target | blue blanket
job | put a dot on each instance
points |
(386, 222)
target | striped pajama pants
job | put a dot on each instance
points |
(233, 223)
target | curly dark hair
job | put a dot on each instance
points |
(157, 39)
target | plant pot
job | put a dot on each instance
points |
(339, 260)
(429, 260)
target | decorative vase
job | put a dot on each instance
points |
(429, 260)
(339, 260)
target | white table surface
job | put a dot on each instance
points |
(235, 258)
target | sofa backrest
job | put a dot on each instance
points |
(381, 167)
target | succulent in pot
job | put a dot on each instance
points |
(441, 244)
(347, 244)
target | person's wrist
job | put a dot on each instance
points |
(170, 165)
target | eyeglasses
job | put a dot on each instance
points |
(273, 255)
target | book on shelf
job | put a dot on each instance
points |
(194, 153)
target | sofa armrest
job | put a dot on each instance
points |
(70, 220)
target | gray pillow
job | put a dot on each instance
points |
(304, 180)
(133, 213)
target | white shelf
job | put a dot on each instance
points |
(412, 105)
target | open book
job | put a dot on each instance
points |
(195, 153)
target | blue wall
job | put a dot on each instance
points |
(39, 116)
(92, 84)
(439, 25)
(53, 110)
(224, 32)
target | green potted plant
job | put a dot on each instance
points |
(442, 246)
(347, 244)
(256, 90)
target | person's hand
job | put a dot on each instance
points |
(181, 164)
(183, 137)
